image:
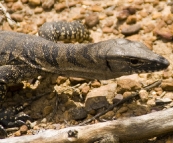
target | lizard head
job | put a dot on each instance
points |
(126, 57)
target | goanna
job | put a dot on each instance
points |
(26, 56)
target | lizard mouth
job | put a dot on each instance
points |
(154, 66)
(161, 64)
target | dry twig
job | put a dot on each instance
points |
(155, 84)
(11, 22)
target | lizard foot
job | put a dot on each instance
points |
(11, 117)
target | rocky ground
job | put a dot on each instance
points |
(76, 99)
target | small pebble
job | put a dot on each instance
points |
(40, 21)
(36, 127)
(167, 85)
(38, 10)
(17, 17)
(109, 23)
(77, 113)
(156, 15)
(109, 13)
(124, 85)
(139, 2)
(96, 8)
(131, 9)
(148, 28)
(82, 11)
(33, 124)
(131, 29)
(96, 84)
(108, 116)
(164, 33)
(44, 120)
(143, 13)
(85, 90)
(131, 19)
(24, 1)
(34, 2)
(60, 6)
(122, 110)
(47, 4)
(168, 19)
(17, 133)
(107, 30)
(127, 94)
(117, 98)
(116, 32)
(143, 94)
(122, 15)
(151, 102)
(23, 129)
(75, 80)
(92, 20)
(61, 79)
(17, 6)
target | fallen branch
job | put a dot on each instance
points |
(11, 22)
(134, 128)
(121, 102)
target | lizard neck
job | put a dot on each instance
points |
(82, 60)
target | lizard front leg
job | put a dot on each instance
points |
(14, 74)
(11, 117)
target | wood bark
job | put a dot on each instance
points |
(134, 128)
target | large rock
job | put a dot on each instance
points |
(77, 113)
(100, 97)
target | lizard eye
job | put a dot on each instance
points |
(134, 61)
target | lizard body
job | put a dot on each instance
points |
(26, 56)
(23, 56)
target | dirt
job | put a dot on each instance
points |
(63, 99)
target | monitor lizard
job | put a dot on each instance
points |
(27, 56)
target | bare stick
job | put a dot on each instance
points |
(155, 84)
(11, 22)
(123, 130)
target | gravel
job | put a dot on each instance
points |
(148, 21)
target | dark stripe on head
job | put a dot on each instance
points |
(55, 56)
(71, 57)
(86, 55)
(47, 55)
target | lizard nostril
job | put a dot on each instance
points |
(164, 62)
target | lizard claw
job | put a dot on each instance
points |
(11, 117)
(3, 133)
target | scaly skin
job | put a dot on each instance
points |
(64, 31)
(26, 56)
